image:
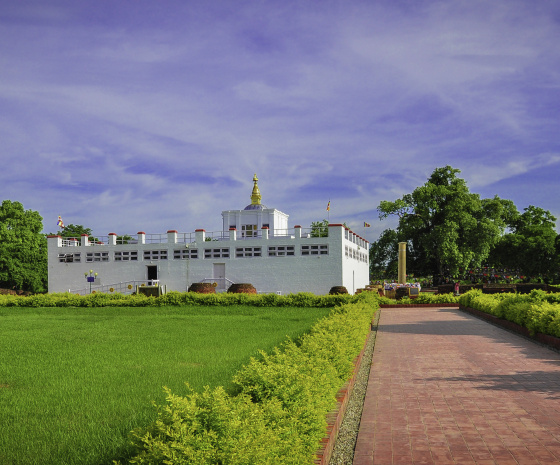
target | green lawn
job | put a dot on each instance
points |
(75, 381)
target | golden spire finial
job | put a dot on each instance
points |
(256, 194)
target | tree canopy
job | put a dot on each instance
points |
(76, 230)
(23, 248)
(383, 256)
(319, 228)
(531, 246)
(447, 227)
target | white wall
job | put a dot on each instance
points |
(285, 274)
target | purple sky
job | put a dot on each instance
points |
(151, 115)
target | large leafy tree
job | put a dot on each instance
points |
(447, 227)
(23, 249)
(383, 255)
(531, 245)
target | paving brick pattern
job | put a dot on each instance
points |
(448, 388)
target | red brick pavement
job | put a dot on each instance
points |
(448, 388)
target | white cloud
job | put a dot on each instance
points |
(493, 172)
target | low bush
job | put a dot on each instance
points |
(302, 299)
(277, 415)
(537, 311)
(423, 298)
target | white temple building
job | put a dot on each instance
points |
(255, 246)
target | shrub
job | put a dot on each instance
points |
(537, 311)
(423, 298)
(180, 298)
(213, 427)
(278, 413)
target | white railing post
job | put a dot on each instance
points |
(199, 235)
(172, 236)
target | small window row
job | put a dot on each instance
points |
(355, 254)
(186, 253)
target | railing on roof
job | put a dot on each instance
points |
(188, 238)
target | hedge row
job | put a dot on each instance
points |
(302, 299)
(278, 413)
(423, 298)
(537, 311)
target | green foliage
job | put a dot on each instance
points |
(75, 381)
(537, 311)
(23, 249)
(447, 227)
(383, 256)
(429, 298)
(423, 298)
(214, 428)
(530, 247)
(278, 414)
(320, 228)
(76, 230)
(65, 299)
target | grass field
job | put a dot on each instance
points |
(74, 382)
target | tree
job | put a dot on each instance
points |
(23, 249)
(447, 227)
(320, 228)
(383, 256)
(76, 230)
(531, 246)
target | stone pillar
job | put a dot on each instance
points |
(402, 263)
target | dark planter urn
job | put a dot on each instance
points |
(242, 288)
(338, 290)
(203, 288)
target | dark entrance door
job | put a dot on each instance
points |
(152, 275)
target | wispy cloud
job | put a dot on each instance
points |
(132, 113)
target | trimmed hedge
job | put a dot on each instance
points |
(66, 299)
(423, 298)
(537, 311)
(278, 413)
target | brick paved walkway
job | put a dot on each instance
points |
(448, 388)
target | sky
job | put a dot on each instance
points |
(143, 115)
